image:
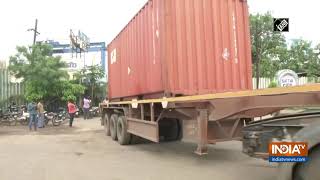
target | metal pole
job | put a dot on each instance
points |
(142, 111)
(152, 112)
(35, 32)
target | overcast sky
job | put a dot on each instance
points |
(101, 20)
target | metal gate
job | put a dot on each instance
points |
(9, 91)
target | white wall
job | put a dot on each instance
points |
(265, 82)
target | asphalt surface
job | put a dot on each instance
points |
(85, 153)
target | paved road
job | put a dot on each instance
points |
(85, 153)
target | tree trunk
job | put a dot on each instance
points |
(258, 48)
(257, 72)
(92, 99)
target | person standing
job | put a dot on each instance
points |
(86, 107)
(32, 109)
(71, 110)
(40, 114)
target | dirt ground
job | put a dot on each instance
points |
(85, 153)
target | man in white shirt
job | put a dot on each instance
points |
(86, 107)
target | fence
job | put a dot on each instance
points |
(10, 92)
(265, 82)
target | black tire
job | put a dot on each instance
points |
(170, 130)
(123, 135)
(113, 126)
(46, 121)
(310, 169)
(106, 121)
(24, 122)
(56, 122)
(13, 121)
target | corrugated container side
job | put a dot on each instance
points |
(182, 47)
(134, 56)
(207, 46)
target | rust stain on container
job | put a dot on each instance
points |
(182, 47)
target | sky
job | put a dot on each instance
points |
(303, 16)
(102, 20)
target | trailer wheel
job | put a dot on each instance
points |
(310, 169)
(123, 135)
(106, 122)
(170, 129)
(113, 126)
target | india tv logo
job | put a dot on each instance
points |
(288, 152)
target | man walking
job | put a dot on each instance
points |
(40, 114)
(86, 107)
(32, 109)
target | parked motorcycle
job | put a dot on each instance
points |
(8, 118)
(77, 114)
(94, 112)
(23, 119)
(53, 117)
(62, 114)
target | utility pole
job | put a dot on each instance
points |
(36, 33)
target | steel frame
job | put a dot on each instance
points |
(94, 47)
(218, 119)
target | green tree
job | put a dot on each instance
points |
(90, 76)
(303, 58)
(70, 90)
(45, 76)
(313, 65)
(268, 47)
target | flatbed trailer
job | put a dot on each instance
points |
(222, 117)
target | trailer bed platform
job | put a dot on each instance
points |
(219, 117)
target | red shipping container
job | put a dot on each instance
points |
(182, 47)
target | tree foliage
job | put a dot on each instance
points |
(70, 90)
(90, 77)
(45, 76)
(302, 58)
(267, 45)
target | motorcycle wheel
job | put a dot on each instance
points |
(55, 122)
(24, 122)
(46, 121)
(12, 121)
